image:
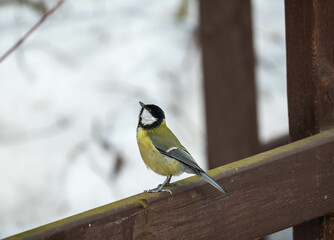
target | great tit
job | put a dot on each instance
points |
(162, 151)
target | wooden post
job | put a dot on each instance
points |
(228, 65)
(310, 72)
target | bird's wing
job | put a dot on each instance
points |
(167, 144)
(180, 154)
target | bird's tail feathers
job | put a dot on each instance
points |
(207, 178)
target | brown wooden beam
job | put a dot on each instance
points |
(228, 68)
(266, 193)
(310, 73)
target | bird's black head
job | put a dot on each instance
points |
(150, 116)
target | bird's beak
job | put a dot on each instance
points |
(142, 104)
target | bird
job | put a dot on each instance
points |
(162, 152)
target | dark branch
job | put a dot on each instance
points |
(25, 36)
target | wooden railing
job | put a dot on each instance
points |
(266, 193)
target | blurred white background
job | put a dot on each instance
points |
(69, 99)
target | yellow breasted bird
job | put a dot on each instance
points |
(162, 151)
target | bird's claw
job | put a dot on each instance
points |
(155, 190)
(167, 190)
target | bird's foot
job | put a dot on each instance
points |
(158, 189)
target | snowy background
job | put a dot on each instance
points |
(69, 99)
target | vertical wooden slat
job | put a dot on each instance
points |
(310, 72)
(328, 226)
(228, 65)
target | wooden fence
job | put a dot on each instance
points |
(292, 185)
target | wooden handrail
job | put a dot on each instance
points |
(266, 193)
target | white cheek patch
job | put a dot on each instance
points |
(147, 118)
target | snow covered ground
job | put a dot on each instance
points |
(69, 99)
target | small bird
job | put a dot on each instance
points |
(162, 151)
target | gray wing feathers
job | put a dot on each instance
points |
(181, 155)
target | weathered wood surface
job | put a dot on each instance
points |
(310, 72)
(310, 66)
(228, 67)
(266, 193)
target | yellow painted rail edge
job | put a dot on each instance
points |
(140, 200)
